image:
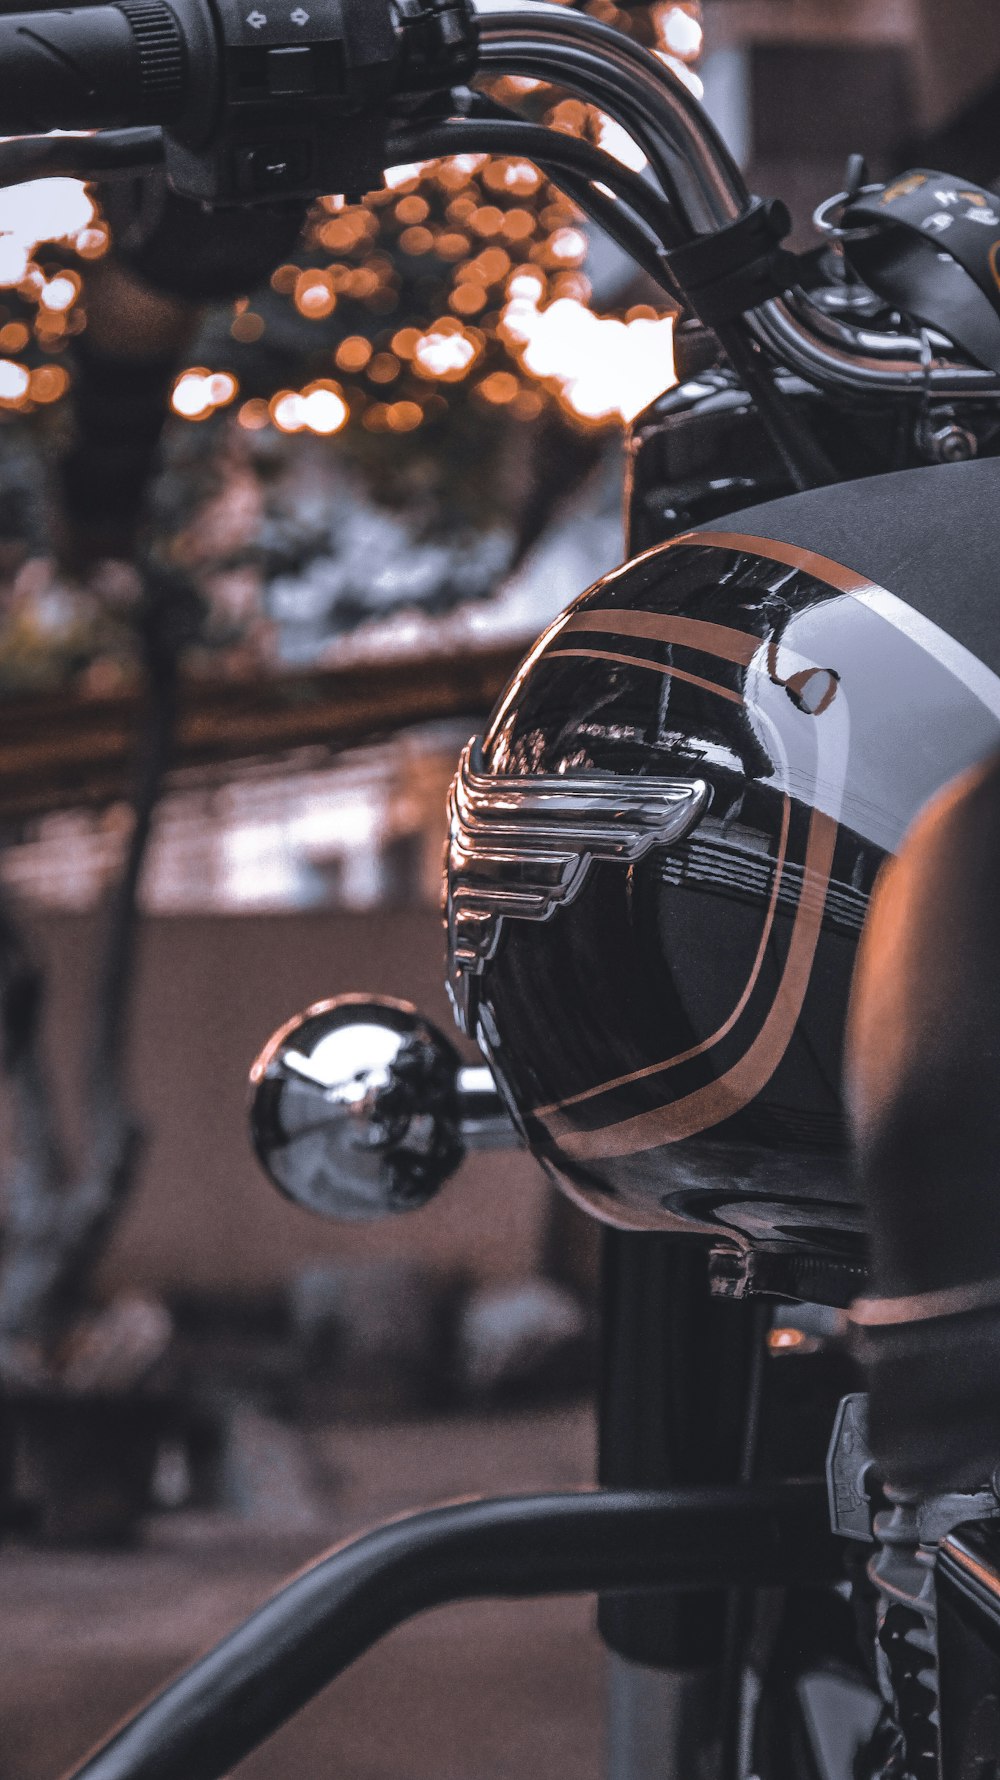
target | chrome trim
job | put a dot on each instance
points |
(821, 214)
(787, 330)
(519, 849)
(360, 1108)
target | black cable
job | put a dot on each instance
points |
(510, 135)
(567, 160)
(584, 73)
(610, 216)
(801, 453)
(106, 155)
(703, 187)
(685, 150)
(645, 198)
(636, 217)
(625, 94)
(639, 65)
(628, 185)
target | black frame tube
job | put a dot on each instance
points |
(227, 1703)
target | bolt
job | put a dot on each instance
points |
(952, 444)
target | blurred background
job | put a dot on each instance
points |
(239, 654)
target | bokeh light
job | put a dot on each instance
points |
(678, 30)
(600, 367)
(445, 353)
(198, 393)
(617, 142)
(14, 381)
(41, 210)
(48, 383)
(315, 295)
(354, 353)
(60, 293)
(320, 409)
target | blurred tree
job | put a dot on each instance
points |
(60, 1211)
(441, 332)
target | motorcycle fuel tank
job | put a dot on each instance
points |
(661, 850)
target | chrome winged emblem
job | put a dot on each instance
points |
(519, 849)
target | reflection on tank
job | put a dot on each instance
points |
(669, 1035)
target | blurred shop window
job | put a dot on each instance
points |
(364, 832)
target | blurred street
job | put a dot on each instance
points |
(481, 1691)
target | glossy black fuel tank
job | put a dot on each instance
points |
(662, 849)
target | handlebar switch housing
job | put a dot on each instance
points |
(306, 86)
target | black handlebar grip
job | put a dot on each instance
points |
(91, 67)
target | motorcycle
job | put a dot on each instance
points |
(660, 859)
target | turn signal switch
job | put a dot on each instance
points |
(262, 101)
(361, 1108)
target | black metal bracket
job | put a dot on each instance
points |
(593, 1541)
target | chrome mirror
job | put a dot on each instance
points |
(361, 1108)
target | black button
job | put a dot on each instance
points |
(272, 168)
(291, 70)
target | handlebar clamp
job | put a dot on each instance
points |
(440, 42)
(737, 267)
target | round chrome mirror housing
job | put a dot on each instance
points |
(354, 1108)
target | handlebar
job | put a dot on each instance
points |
(260, 100)
(90, 67)
(550, 42)
(279, 100)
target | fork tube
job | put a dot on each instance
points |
(676, 1367)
